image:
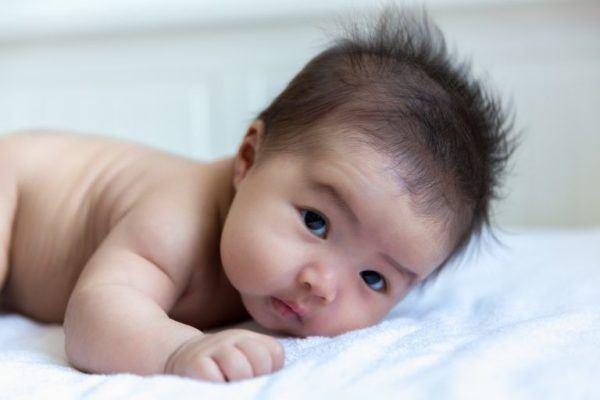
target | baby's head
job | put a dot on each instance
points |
(369, 173)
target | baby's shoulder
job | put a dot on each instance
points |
(178, 219)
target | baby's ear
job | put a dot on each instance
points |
(246, 155)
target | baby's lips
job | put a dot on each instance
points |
(301, 311)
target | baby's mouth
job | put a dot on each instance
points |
(286, 310)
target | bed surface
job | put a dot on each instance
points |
(516, 321)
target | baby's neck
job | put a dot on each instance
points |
(222, 189)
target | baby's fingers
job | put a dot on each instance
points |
(205, 368)
(277, 354)
(258, 355)
(233, 363)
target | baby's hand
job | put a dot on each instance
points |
(229, 355)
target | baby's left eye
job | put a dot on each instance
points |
(315, 223)
(374, 280)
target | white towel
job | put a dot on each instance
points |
(518, 322)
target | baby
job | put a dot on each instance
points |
(363, 178)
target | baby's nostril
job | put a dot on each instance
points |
(306, 285)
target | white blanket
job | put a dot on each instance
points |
(518, 322)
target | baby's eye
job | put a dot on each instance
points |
(374, 280)
(315, 222)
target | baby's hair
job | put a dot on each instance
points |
(392, 84)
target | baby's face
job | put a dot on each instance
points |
(332, 236)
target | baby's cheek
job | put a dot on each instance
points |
(249, 258)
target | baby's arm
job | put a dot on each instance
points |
(116, 319)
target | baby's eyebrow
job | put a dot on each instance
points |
(336, 195)
(403, 270)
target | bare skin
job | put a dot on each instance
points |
(137, 251)
(115, 225)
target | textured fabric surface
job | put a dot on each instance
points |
(519, 320)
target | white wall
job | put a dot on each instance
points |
(190, 79)
(546, 59)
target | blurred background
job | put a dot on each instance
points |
(189, 75)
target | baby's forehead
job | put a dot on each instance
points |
(408, 173)
(354, 184)
(355, 165)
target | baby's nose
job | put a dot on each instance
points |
(319, 281)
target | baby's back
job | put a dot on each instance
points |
(71, 191)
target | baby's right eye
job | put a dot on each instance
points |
(315, 222)
(374, 280)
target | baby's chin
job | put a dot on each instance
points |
(286, 332)
(301, 331)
